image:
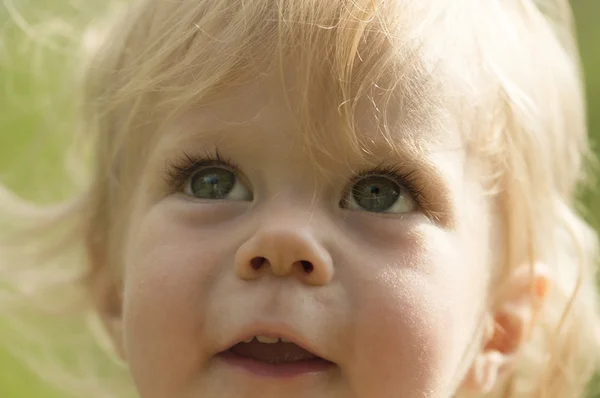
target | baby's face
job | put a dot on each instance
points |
(361, 278)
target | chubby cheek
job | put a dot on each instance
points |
(416, 312)
(169, 272)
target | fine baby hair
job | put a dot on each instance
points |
(322, 198)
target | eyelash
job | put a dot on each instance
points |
(179, 172)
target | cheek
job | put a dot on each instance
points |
(416, 316)
(170, 268)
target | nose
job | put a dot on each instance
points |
(285, 251)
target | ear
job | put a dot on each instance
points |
(507, 327)
(106, 295)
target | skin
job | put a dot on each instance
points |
(394, 300)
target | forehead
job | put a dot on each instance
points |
(387, 120)
(349, 74)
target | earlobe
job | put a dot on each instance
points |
(484, 373)
(507, 326)
(105, 296)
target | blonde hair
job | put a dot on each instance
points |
(509, 68)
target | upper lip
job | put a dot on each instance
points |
(276, 331)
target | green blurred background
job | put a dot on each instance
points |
(35, 84)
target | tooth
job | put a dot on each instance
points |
(249, 340)
(285, 340)
(268, 340)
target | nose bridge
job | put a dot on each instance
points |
(285, 246)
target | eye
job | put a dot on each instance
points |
(218, 183)
(379, 194)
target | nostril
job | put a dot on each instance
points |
(307, 266)
(257, 262)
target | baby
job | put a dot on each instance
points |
(337, 199)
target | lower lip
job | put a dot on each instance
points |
(282, 370)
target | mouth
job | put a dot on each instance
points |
(267, 356)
